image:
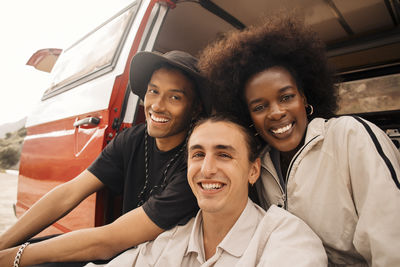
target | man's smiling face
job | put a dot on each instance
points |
(169, 107)
(219, 168)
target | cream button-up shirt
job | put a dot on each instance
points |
(258, 238)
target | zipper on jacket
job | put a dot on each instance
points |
(290, 168)
(276, 179)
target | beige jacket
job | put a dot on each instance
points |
(344, 189)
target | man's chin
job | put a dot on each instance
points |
(156, 133)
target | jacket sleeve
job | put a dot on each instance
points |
(374, 175)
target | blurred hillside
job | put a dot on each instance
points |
(11, 127)
(10, 149)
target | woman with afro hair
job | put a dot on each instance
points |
(339, 174)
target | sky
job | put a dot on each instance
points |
(27, 26)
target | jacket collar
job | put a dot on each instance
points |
(316, 127)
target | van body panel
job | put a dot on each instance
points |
(81, 216)
(45, 164)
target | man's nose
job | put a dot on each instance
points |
(208, 167)
(158, 104)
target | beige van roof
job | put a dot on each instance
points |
(357, 32)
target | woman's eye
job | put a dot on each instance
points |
(287, 97)
(258, 108)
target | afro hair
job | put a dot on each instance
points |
(232, 60)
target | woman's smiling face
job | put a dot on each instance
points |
(277, 108)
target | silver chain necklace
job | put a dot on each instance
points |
(146, 161)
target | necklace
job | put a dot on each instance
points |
(146, 161)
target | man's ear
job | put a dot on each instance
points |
(255, 171)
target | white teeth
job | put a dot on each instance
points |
(208, 186)
(158, 119)
(282, 130)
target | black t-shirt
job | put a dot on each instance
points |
(121, 167)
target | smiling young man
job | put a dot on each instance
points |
(145, 163)
(229, 230)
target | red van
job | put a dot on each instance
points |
(89, 99)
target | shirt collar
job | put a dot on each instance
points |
(196, 238)
(237, 239)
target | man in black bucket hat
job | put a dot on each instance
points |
(144, 64)
(145, 163)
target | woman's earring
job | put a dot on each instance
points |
(309, 113)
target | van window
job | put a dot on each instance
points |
(93, 55)
(370, 95)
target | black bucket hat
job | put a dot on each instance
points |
(144, 63)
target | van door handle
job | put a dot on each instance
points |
(90, 121)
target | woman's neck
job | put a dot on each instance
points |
(286, 157)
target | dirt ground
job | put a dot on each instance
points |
(8, 196)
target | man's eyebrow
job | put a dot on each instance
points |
(152, 85)
(219, 147)
(195, 147)
(182, 91)
(225, 147)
